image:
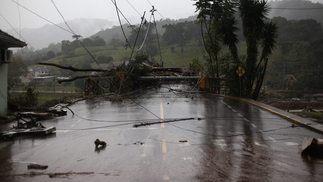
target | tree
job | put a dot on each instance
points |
(116, 43)
(219, 20)
(50, 54)
(104, 59)
(98, 41)
(176, 33)
(144, 35)
(256, 31)
(87, 42)
(17, 69)
(66, 46)
(75, 44)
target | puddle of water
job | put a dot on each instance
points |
(291, 143)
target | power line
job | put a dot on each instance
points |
(62, 17)
(133, 7)
(22, 37)
(42, 17)
(19, 20)
(318, 8)
(160, 54)
(175, 31)
(143, 42)
(77, 36)
(131, 26)
(124, 34)
(141, 23)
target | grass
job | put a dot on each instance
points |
(44, 97)
(170, 59)
(46, 93)
(44, 87)
(315, 114)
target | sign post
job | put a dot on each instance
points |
(240, 71)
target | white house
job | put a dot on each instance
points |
(37, 71)
(6, 41)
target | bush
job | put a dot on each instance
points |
(30, 99)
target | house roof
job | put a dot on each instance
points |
(8, 41)
(113, 64)
(286, 77)
(104, 66)
(35, 68)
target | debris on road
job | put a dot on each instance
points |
(51, 175)
(312, 146)
(54, 175)
(36, 115)
(139, 143)
(183, 141)
(159, 122)
(27, 127)
(58, 110)
(98, 142)
(37, 166)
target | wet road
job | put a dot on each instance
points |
(228, 140)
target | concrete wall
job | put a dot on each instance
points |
(3, 89)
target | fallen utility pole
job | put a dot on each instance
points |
(78, 77)
(159, 122)
(179, 70)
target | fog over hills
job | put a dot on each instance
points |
(43, 36)
(297, 10)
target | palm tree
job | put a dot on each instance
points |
(256, 31)
(220, 25)
(219, 21)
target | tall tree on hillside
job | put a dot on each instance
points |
(176, 34)
(66, 46)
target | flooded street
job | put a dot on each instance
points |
(216, 139)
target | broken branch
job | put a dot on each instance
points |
(71, 68)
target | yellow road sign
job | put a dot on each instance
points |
(240, 71)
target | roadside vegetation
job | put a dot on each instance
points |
(317, 115)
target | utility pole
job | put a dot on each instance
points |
(317, 79)
(283, 78)
(54, 83)
(318, 76)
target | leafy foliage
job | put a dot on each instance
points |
(181, 33)
(196, 66)
(220, 21)
(30, 99)
(138, 69)
(17, 69)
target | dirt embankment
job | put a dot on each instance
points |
(289, 100)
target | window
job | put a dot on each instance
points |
(3, 54)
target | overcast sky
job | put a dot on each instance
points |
(103, 9)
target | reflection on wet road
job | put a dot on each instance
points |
(228, 140)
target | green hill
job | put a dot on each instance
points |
(174, 58)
